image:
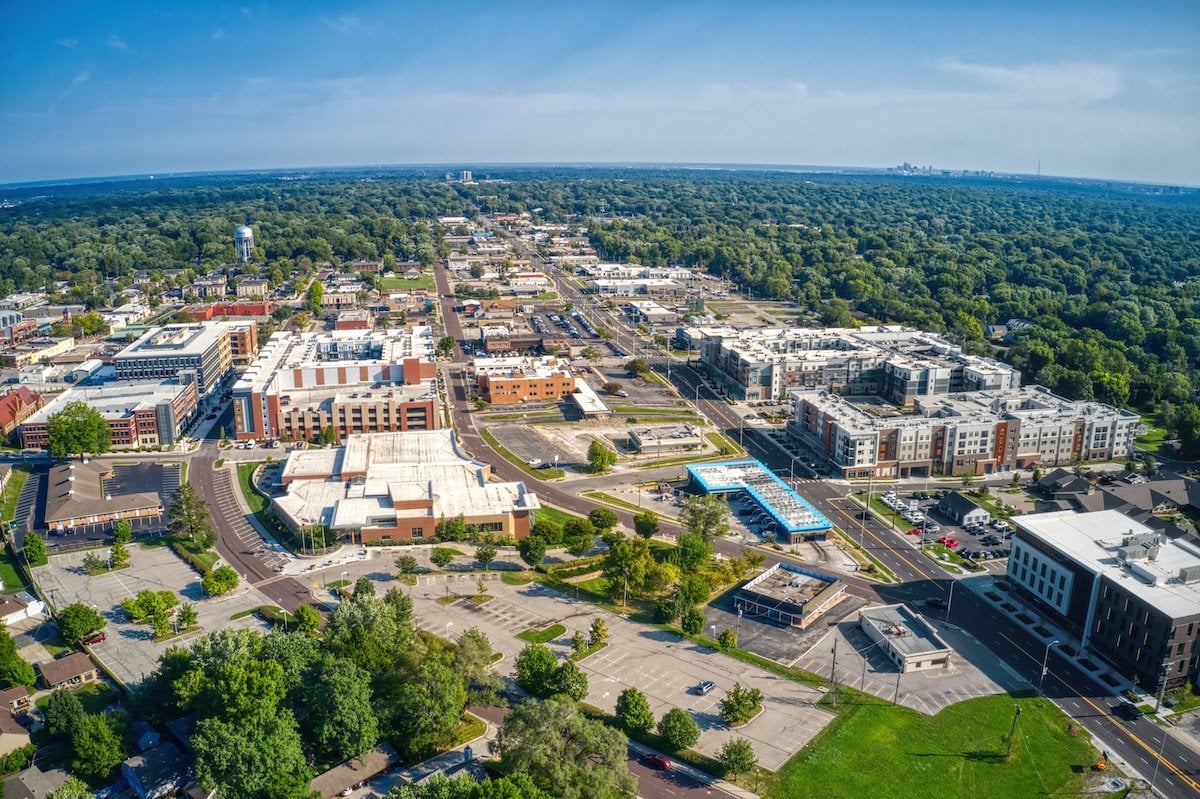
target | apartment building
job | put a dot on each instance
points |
(164, 352)
(1131, 594)
(980, 433)
(508, 381)
(140, 413)
(354, 381)
(253, 287)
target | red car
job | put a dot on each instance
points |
(95, 638)
(915, 531)
(657, 761)
(949, 542)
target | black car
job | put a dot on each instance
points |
(936, 602)
(1128, 710)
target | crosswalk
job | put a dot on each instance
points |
(235, 522)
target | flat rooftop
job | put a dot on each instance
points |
(788, 508)
(343, 348)
(671, 432)
(1094, 540)
(906, 632)
(174, 340)
(788, 585)
(316, 397)
(113, 400)
(587, 400)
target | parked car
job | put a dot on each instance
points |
(95, 638)
(657, 761)
(705, 687)
(915, 531)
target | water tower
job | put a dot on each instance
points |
(243, 242)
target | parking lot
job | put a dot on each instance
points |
(974, 670)
(923, 522)
(662, 665)
(130, 650)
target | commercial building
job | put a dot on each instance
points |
(34, 350)
(905, 637)
(788, 595)
(508, 381)
(649, 312)
(645, 286)
(670, 438)
(895, 362)
(206, 313)
(962, 510)
(78, 493)
(1130, 593)
(355, 381)
(398, 487)
(15, 407)
(981, 433)
(794, 518)
(140, 413)
(253, 287)
(164, 352)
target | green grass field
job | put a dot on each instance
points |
(12, 491)
(884, 752)
(536, 636)
(9, 573)
(257, 502)
(425, 281)
(546, 513)
(1155, 436)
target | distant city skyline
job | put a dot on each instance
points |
(1098, 90)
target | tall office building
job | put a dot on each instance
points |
(243, 241)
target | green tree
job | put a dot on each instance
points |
(63, 712)
(118, 555)
(453, 529)
(441, 556)
(77, 429)
(313, 298)
(707, 516)
(602, 519)
(692, 622)
(532, 550)
(568, 679)
(406, 564)
(340, 719)
(678, 730)
(727, 639)
(578, 527)
(564, 753)
(598, 632)
(147, 604)
(308, 619)
(535, 668)
(13, 668)
(73, 788)
(122, 532)
(446, 345)
(363, 587)
(97, 745)
(189, 517)
(255, 757)
(35, 550)
(485, 555)
(627, 566)
(740, 704)
(601, 457)
(439, 786)
(426, 709)
(692, 550)
(579, 644)
(580, 545)
(186, 617)
(737, 757)
(77, 620)
(633, 711)
(645, 524)
(473, 655)
(220, 580)
(637, 366)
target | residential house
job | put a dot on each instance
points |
(340, 779)
(19, 606)
(12, 735)
(157, 773)
(33, 783)
(68, 672)
(15, 700)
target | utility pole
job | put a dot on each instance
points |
(896, 694)
(833, 686)
(1013, 732)
(1162, 686)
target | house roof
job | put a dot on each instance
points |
(10, 695)
(33, 783)
(959, 504)
(13, 402)
(11, 603)
(63, 669)
(353, 771)
(9, 725)
(164, 764)
(68, 498)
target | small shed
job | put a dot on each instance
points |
(962, 510)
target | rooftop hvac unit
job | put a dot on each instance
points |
(1189, 575)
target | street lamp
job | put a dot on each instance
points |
(792, 467)
(1045, 658)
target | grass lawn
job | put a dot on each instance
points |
(518, 578)
(886, 752)
(596, 585)
(454, 553)
(1155, 435)
(9, 572)
(725, 444)
(12, 491)
(470, 727)
(55, 643)
(535, 636)
(425, 281)
(609, 499)
(94, 697)
(257, 502)
(589, 651)
(553, 515)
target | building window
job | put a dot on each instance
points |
(418, 532)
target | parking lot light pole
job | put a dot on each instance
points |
(1045, 659)
(792, 467)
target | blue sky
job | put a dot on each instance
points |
(1095, 89)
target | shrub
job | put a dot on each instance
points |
(678, 730)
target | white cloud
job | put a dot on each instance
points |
(117, 43)
(348, 23)
(218, 33)
(1051, 84)
(68, 43)
(81, 77)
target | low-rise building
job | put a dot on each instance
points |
(666, 438)
(250, 288)
(508, 381)
(78, 493)
(392, 487)
(789, 595)
(649, 312)
(71, 671)
(355, 320)
(210, 287)
(906, 638)
(140, 413)
(962, 510)
(35, 350)
(794, 518)
(159, 772)
(1131, 594)
(15, 407)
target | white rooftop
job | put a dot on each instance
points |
(1093, 540)
(115, 400)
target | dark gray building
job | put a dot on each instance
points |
(1131, 594)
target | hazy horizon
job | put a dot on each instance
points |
(1091, 90)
